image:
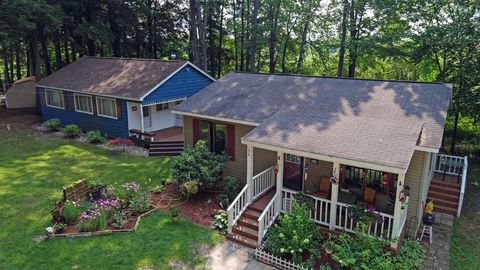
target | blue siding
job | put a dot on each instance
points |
(184, 83)
(108, 126)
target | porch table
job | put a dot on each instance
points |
(347, 198)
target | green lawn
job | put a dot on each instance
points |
(34, 168)
(465, 244)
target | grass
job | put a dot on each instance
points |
(465, 244)
(33, 169)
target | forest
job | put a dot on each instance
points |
(421, 40)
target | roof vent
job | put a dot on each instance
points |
(173, 56)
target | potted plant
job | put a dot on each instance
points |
(174, 212)
(328, 247)
(428, 218)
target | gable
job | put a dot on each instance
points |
(181, 85)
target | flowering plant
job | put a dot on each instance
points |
(366, 215)
(108, 204)
(131, 186)
(89, 220)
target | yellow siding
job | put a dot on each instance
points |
(413, 179)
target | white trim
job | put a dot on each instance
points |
(52, 106)
(85, 92)
(104, 115)
(173, 74)
(332, 159)
(141, 117)
(75, 103)
(216, 118)
(426, 149)
(164, 101)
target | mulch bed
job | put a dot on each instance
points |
(199, 208)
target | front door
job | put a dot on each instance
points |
(293, 172)
(147, 117)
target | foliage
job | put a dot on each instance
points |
(198, 164)
(294, 235)
(52, 124)
(139, 202)
(220, 221)
(118, 219)
(159, 188)
(174, 212)
(72, 131)
(429, 207)
(410, 255)
(188, 188)
(94, 136)
(59, 227)
(121, 142)
(304, 199)
(365, 215)
(89, 221)
(71, 211)
(95, 182)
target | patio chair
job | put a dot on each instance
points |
(325, 186)
(369, 196)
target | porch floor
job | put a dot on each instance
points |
(261, 203)
(449, 179)
(170, 134)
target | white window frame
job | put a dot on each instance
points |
(114, 105)
(291, 158)
(75, 95)
(62, 99)
(162, 105)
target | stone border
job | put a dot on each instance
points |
(105, 232)
(263, 256)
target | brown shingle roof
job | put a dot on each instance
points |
(372, 121)
(120, 77)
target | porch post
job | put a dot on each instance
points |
(334, 197)
(141, 117)
(397, 212)
(250, 173)
(280, 164)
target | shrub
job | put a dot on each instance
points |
(295, 235)
(198, 164)
(174, 211)
(89, 221)
(188, 188)
(71, 211)
(158, 188)
(71, 130)
(118, 219)
(94, 136)
(410, 255)
(121, 142)
(52, 124)
(220, 221)
(224, 200)
(139, 202)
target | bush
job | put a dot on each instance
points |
(118, 219)
(220, 221)
(52, 124)
(174, 212)
(198, 164)
(89, 220)
(71, 211)
(410, 255)
(139, 202)
(71, 130)
(121, 142)
(94, 136)
(188, 188)
(294, 236)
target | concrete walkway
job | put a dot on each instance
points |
(436, 254)
(232, 256)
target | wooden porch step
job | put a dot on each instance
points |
(245, 241)
(445, 203)
(246, 231)
(444, 184)
(442, 195)
(248, 222)
(446, 210)
(167, 143)
(255, 207)
(447, 190)
(249, 213)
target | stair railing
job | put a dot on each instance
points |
(263, 182)
(237, 207)
(462, 186)
(268, 216)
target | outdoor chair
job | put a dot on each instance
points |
(325, 186)
(369, 196)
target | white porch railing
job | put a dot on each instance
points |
(462, 186)
(321, 215)
(237, 207)
(403, 217)
(268, 216)
(263, 181)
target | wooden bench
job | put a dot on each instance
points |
(143, 135)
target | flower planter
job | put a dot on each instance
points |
(428, 219)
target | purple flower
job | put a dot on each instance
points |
(107, 204)
(90, 214)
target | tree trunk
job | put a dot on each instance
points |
(353, 47)
(302, 46)
(45, 55)
(58, 50)
(201, 38)
(65, 46)
(6, 68)
(235, 34)
(211, 41)
(150, 29)
(74, 50)
(18, 63)
(455, 130)
(114, 28)
(193, 33)
(253, 41)
(273, 36)
(220, 41)
(29, 59)
(242, 37)
(35, 57)
(285, 44)
(341, 54)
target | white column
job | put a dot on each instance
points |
(398, 211)
(334, 197)
(141, 117)
(250, 173)
(280, 164)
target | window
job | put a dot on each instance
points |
(83, 103)
(292, 158)
(178, 102)
(162, 107)
(54, 98)
(214, 135)
(107, 107)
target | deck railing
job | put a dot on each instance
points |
(237, 207)
(344, 221)
(451, 165)
(462, 186)
(263, 181)
(268, 216)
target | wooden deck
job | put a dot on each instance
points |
(171, 134)
(449, 179)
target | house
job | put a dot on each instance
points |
(342, 141)
(120, 96)
(21, 94)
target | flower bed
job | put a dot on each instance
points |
(105, 209)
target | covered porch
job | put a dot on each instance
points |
(338, 189)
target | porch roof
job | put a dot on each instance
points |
(372, 121)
